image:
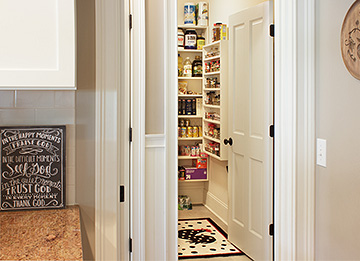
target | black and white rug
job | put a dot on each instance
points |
(199, 238)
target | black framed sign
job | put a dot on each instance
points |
(32, 167)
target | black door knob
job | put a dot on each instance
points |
(228, 141)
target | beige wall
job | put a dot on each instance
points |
(337, 185)
(85, 124)
(26, 108)
(154, 66)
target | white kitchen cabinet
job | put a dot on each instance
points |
(37, 47)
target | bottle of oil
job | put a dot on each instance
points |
(180, 66)
(197, 67)
(187, 67)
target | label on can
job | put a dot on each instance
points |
(183, 132)
(193, 151)
(189, 132)
(195, 132)
(200, 43)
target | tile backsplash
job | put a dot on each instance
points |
(22, 108)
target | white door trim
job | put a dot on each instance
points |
(112, 130)
(294, 129)
(138, 218)
(171, 131)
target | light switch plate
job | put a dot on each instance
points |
(321, 152)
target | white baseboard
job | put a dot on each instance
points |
(217, 207)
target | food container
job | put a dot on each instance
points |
(189, 13)
(202, 13)
(217, 31)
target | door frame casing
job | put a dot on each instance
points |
(294, 160)
(294, 180)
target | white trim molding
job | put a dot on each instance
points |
(285, 129)
(138, 178)
(171, 132)
(112, 144)
(306, 131)
(294, 129)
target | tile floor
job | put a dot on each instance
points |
(199, 211)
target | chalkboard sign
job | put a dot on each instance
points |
(32, 167)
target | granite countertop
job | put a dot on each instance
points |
(41, 235)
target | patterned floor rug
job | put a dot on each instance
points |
(199, 238)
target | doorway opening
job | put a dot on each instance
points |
(225, 158)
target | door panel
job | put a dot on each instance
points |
(250, 114)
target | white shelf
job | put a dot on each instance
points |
(190, 139)
(212, 58)
(187, 157)
(211, 73)
(213, 155)
(211, 89)
(190, 95)
(212, 44)
(212, 139)
(212, 121)
(193, 180)
(182, 50)
(190, 78)
(221, 109)
(212, 106)
(190, 116)
(192, 26)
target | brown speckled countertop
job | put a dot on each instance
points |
(41, 235)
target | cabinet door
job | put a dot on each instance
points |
(37, 47)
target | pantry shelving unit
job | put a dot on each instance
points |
(193, 84)
(213, 142)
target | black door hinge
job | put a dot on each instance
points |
(130, 245)
(122, 193)
(272, 30)
(130, 21)
(271, 229)
(130, 135)
(271, 131)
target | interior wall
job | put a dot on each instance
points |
(85, 124)
(155, 62)
(337, 224)
(29, 108)
(220, 10)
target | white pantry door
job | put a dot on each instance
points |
(251, 114)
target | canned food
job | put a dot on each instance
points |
(183, 132)
(200, 131)
(187, 123)
(193, 151)
(197, 151)
(195, 132)
(179, 132)
(182, 150)
(187, 150)
(189, 132)
(182, 123)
